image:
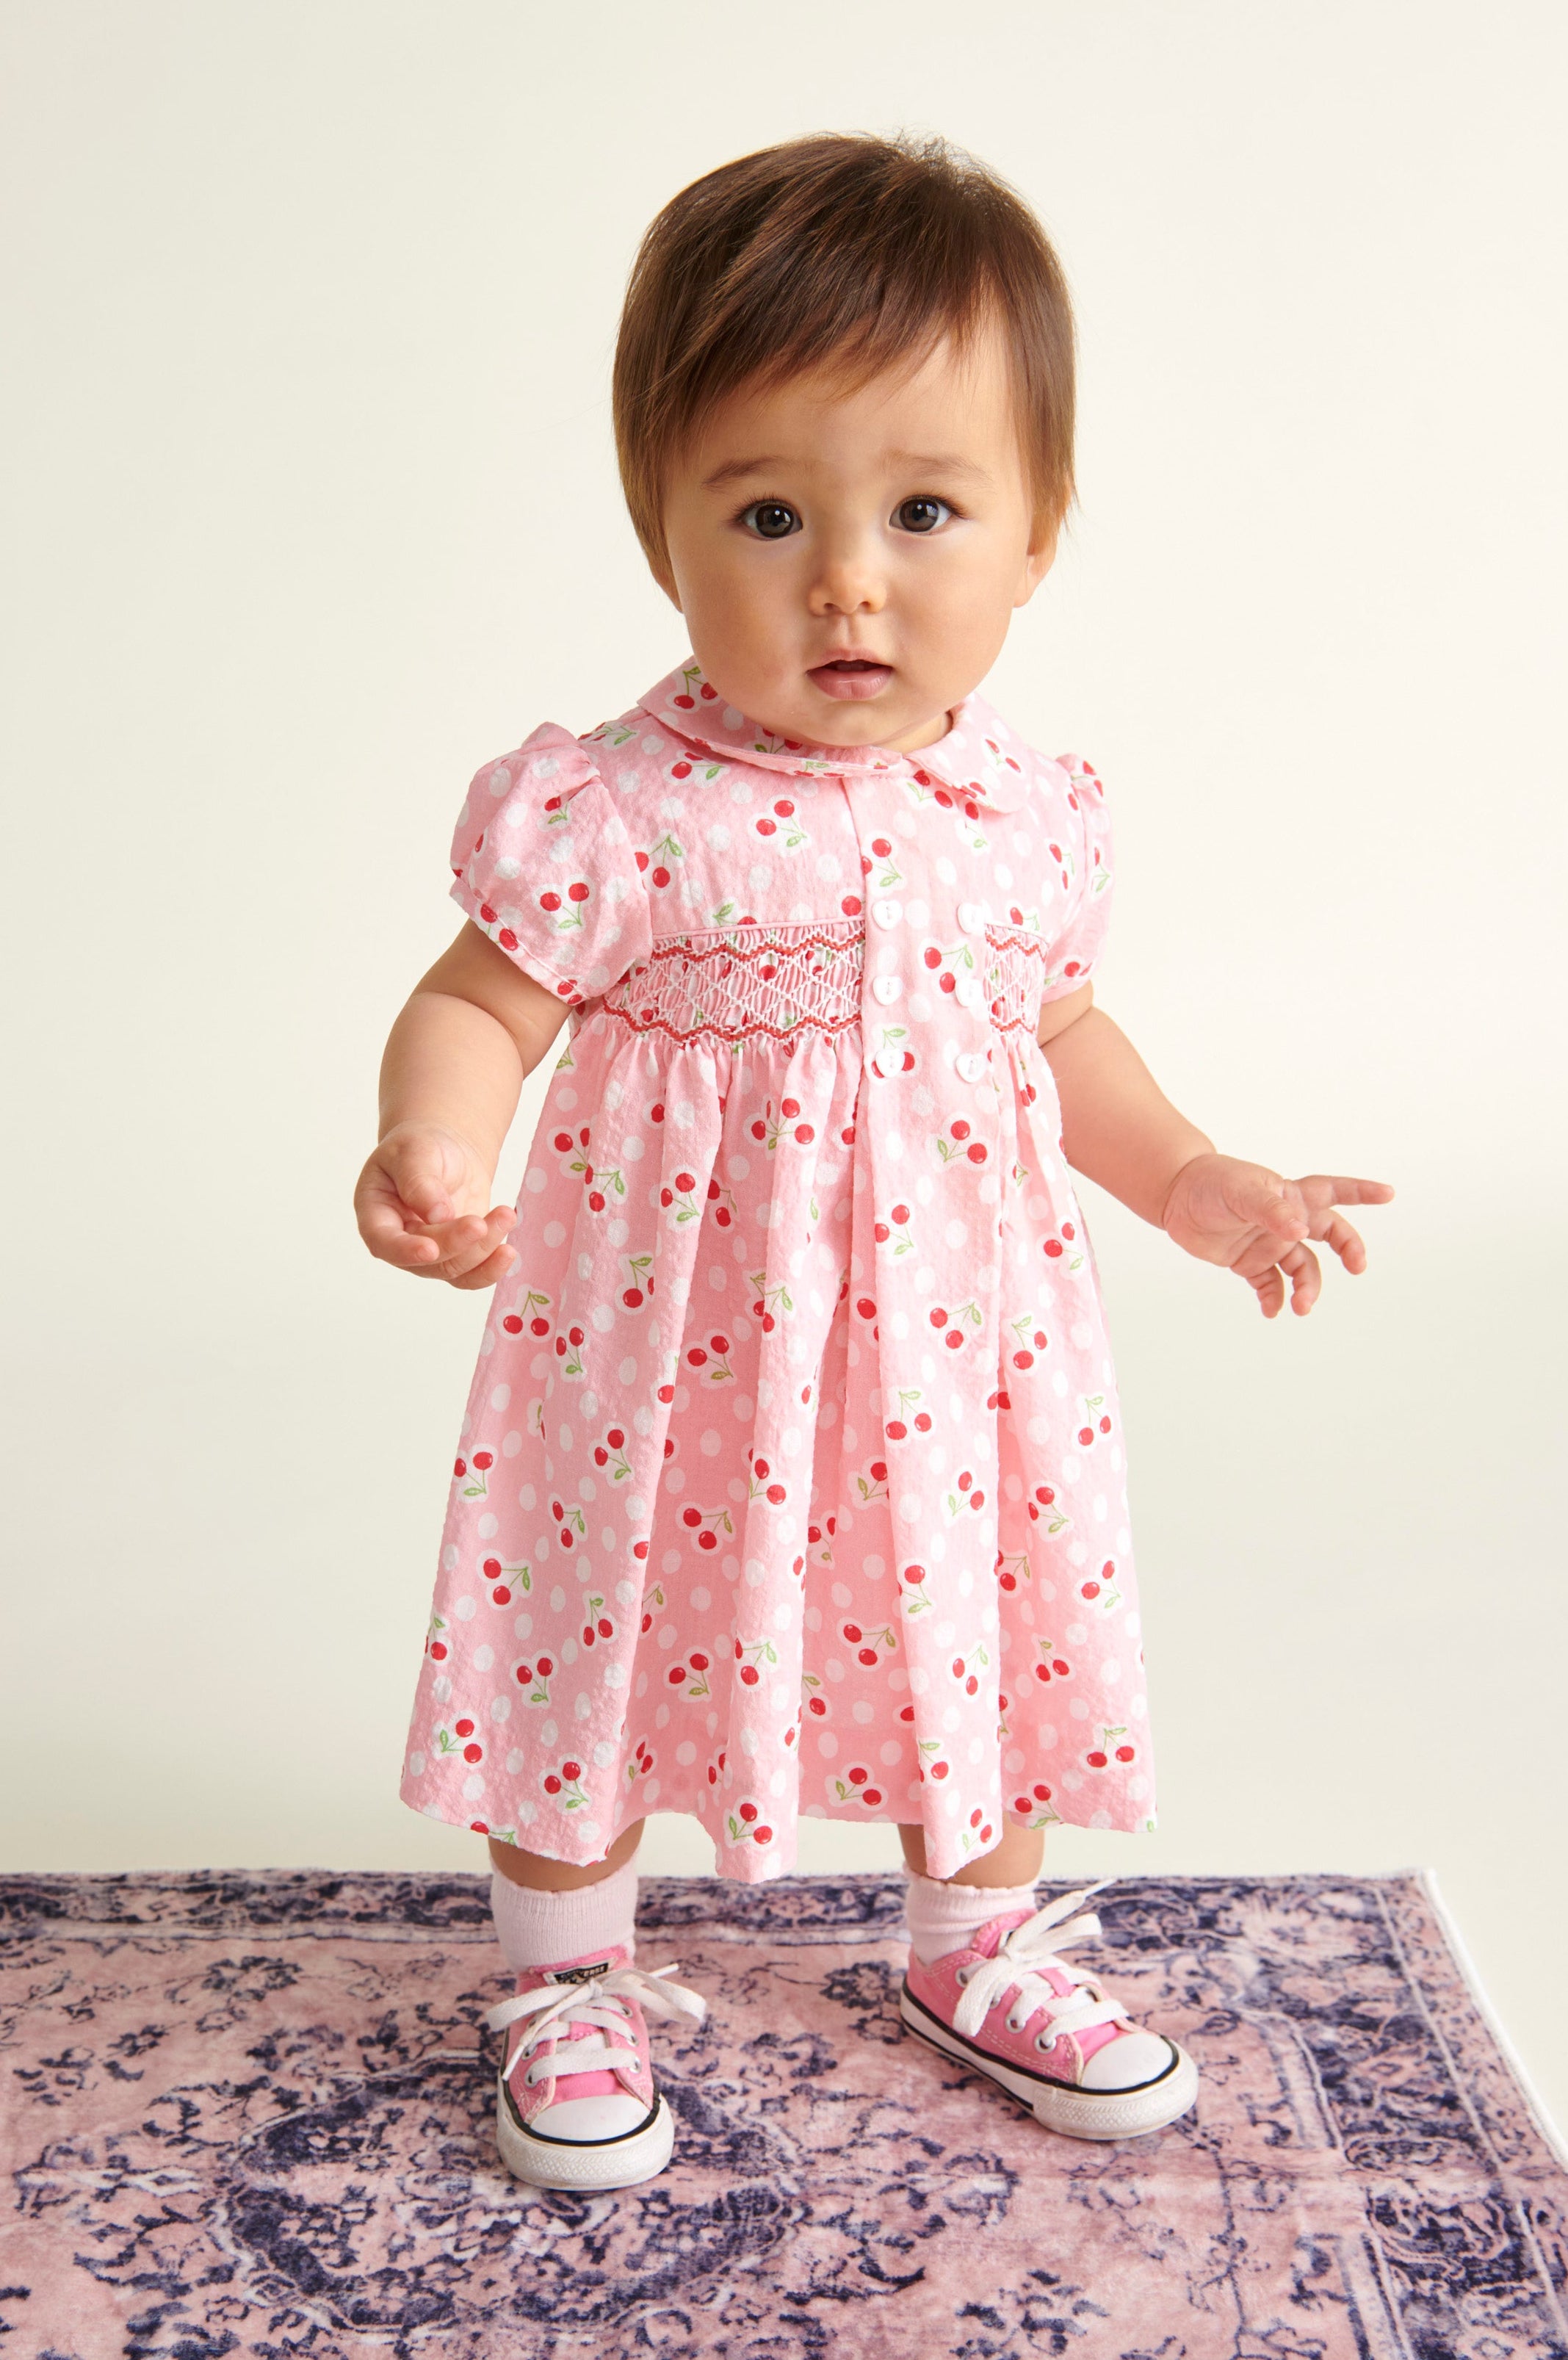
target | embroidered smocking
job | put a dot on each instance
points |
(728, 983)
(1014, 978)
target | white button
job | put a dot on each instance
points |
(888, 1062)
(972, 917)
(972, 1065)
(886, 913)
(968, 991)
(887, 987)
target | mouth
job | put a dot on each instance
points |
(850, 678)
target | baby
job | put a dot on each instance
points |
(793, 1477)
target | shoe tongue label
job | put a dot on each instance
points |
(577, 1975)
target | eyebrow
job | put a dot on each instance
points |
(938, 463)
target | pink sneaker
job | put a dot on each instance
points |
(1060, 2045)
(575, 2101)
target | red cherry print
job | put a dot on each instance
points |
(857, 1776)
(572, 1769)
(577, 892)
(462, 1728)
(1104, 1425)
(707, 1540)
(900, 1214)
(747, 1813)
(851, 1632)
(1091, 1589)
(750, 1675)
(938, 1316)
(661, 875)
(680, 770)
(438, 1651)
(851, 905)
(880, 846)
(675, 1674)
(512, 1324)
(953, 1339)
(686, 703)
(539, 1326)
(1067, 1231)
(871, 1795)
(922, 1421)
(896, 1430)
(552, 1785)
(816, 1705)
(914, 1575)
(656, 1113)
(524, 1674)
(975, 1151)
(485, 1459)
(1096, 1760)
(763, 1835)
(667, 1392)
(1053, 1247)
(932, 956)
(547, 1665)
(1125, 1753)
(474, 1754)
(976, 1818)
(549, 900)
(647, 1621)
(939, 1769)
(868, 1654)
(699, 1663)
(959, 1128)
(867, 1309)
(805, 1133)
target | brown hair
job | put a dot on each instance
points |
(840, 247)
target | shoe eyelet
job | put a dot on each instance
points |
(963, 1974)
(1042, 2044)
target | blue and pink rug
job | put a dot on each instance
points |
(251, 2114)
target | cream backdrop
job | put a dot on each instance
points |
(313, 510)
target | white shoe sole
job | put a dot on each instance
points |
(1059, 2105)
(622, 2162)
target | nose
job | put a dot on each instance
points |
(848, 579)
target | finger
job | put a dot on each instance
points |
(1256, 1195)
(1346, 1243)
(495, 1266)
(466, 1243)
(1321, 1189)
(416, 1168)
(1269, 1288)
(386, 1233)
(1301, 1267)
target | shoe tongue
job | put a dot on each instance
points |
(988, 1939)
(583, 1972)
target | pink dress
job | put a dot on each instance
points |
(792, 1478)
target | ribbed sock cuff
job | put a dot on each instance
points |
(943, 1916)
(545, 1930)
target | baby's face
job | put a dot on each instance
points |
(847, 562)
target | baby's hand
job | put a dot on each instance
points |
(419, 1204)
(1254, 1222)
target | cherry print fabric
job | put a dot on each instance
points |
(792, 1478)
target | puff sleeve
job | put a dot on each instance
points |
(543, 864)
(1082, 853)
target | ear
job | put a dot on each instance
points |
(1039, 558)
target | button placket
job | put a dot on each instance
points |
(931, 1112)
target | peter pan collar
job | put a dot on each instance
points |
(980, 759)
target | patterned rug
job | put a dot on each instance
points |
(251, 2114)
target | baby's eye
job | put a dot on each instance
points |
(922, 514)
(770, 519)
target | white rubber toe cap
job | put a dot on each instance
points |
(1127, 2061)
(607, 2116)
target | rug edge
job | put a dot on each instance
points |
(1480, 2000)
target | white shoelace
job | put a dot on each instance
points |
(598, 2003)
(1028, 1949)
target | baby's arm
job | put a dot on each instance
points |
(456, 1058)
(1118, 1126)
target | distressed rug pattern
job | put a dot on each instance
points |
(251, 2114)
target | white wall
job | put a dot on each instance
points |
(313, 510)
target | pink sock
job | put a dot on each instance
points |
(545, 1930)
(943, 1916)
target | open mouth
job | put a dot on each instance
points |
(850, 677)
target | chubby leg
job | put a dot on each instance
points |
(1014, 1860)
(536, 1873)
